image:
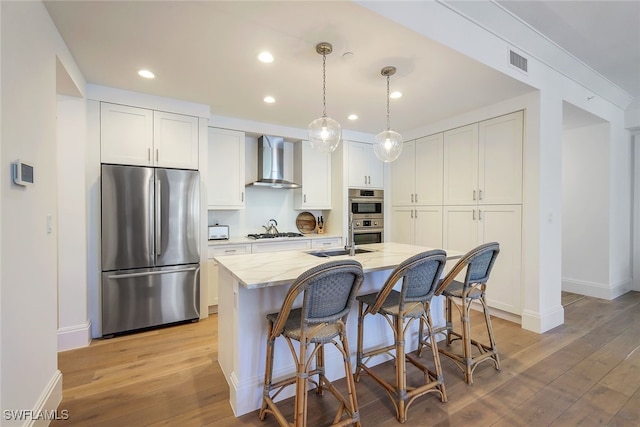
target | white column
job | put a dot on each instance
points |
(542, 217)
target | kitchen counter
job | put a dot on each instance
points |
(253, 285)
(262, 270)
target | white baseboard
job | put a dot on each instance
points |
(46, 408)
(74, 336)
(542, 322)
(596, 290)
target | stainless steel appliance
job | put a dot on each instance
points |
(273, 235)
(218, 232)
(271, 164)
(150, 247)
(367, 209)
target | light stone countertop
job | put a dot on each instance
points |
(261, 270)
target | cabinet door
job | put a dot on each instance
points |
(461, 165)
(314, 173)
(225, 188)
(175, 140)
(428, 170)
(503, 224)
(500, 160)
(428, 226)
(358, 164)
(403, 225)
(403, 176)
(126, 135)
(375, 170)
(460, 228)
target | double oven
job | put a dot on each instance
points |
(367, 207)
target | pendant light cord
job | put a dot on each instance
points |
(324, 84)
(388, 126)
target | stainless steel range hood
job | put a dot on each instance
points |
(271, 164)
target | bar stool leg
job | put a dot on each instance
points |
(466, 340)
(320, 368)
(492, 338)
(436, 356)
(401, 369)
(300, 406)
(351, 385)
(359, 350)
(268, 371)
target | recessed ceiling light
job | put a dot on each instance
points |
(269, 99)
(265, 57)
(146, 74)
(395, 95)
(353, 117)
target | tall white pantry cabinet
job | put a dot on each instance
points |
(481, 184)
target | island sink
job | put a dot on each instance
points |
(336, 252)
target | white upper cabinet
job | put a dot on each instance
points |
(420, 225)
(365, 169)
(126, 135)
(142, 137)
(461, 165)
(483, 162)
(416, 176)
(313, 172)
(175, 140)
(500, 160)
(226, 166)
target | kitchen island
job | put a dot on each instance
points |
(253, 285)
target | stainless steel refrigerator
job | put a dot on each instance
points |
(150, 247)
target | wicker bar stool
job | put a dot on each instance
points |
(420, 275)
(478, 264)
(328, 293)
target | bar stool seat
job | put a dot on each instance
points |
(420, 276)
(328, 292)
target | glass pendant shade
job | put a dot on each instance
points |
(324, 134)
(388, 145)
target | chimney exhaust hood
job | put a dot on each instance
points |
(271, 164)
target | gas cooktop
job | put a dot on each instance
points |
(273, 235)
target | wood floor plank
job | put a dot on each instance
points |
(585, 372)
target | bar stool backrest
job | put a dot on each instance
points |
(478, 262)
(328, 292)
(420, 275)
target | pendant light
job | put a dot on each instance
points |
(388, 143)
(324, 133)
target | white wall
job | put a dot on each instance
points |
(585, 210)
(29, 377)
(73, 323)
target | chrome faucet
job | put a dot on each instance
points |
(351, 245)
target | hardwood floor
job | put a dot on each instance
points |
(585, 372)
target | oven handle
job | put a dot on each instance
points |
(368, 230)
(376, 200)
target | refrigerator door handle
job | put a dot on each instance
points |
(158, 219)
(151, 215)
(149, 273)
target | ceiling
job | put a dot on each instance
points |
(205, 52)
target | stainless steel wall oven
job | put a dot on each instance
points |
(367, 207)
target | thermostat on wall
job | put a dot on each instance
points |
(22, 173)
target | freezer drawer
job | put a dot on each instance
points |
(141, 298)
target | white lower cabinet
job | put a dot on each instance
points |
(212, 267)
(467, 226)
(417, 225)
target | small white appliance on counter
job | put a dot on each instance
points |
(218, 232)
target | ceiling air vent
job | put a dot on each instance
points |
(517, 61)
